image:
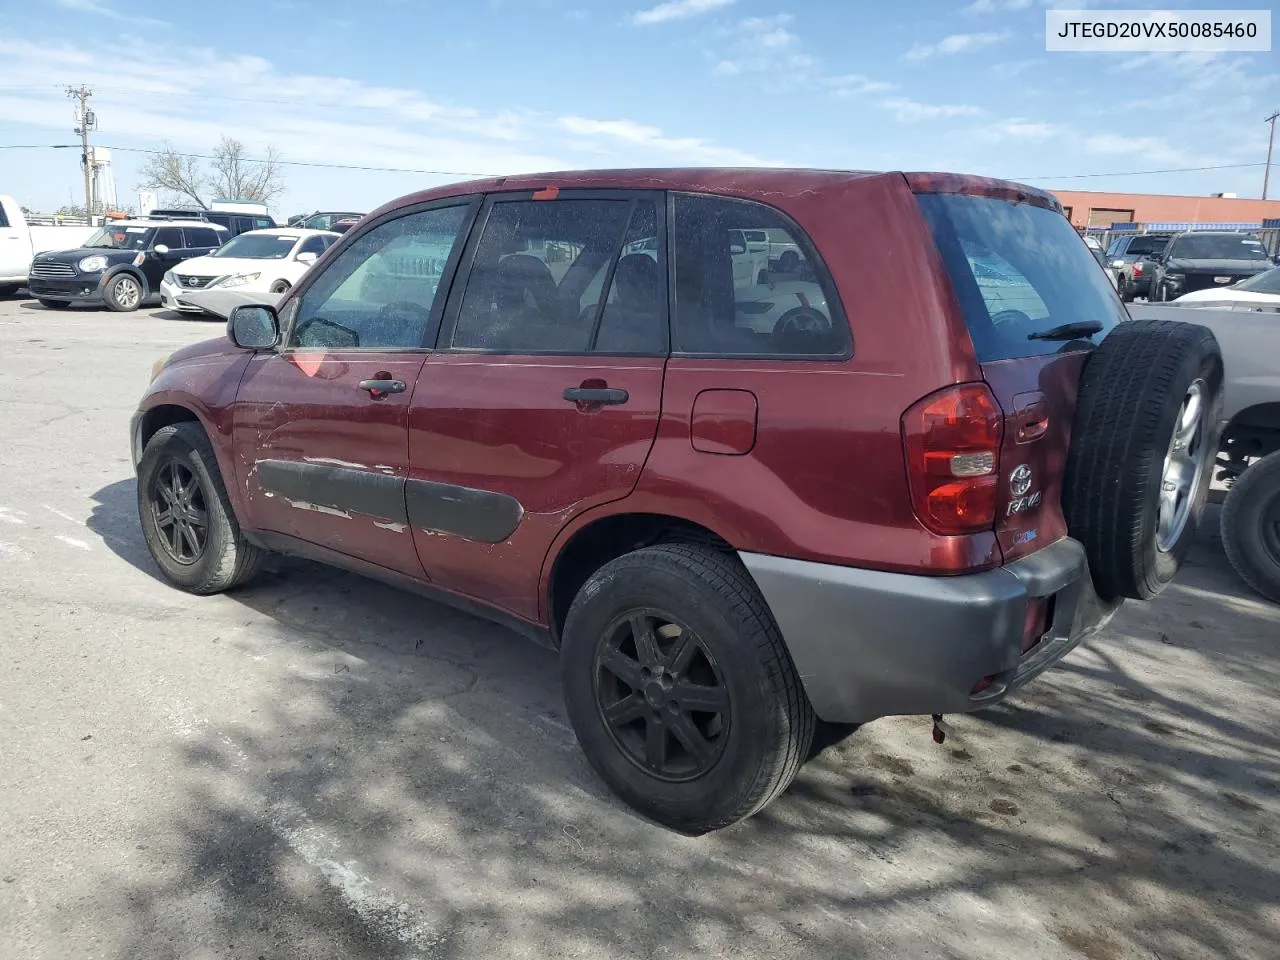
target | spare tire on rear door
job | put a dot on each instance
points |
(1142, 449)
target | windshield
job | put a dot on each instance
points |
(1266, 282)
(1018, 270)
(1219, 247)
(325, 221)
(257, 246)
(122, 238)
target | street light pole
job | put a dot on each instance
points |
(84, 117)
(1266, 175)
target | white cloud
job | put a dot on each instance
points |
(854, 84)
(677, 10)
(995, 6)
(956, 43)
(90, 6)
(692, 149)
(767, 49)
(909, 111)
(1025, 130)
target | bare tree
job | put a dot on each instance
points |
(230, 175)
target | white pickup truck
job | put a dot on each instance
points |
(19, 242)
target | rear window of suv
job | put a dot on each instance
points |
(1017, 270)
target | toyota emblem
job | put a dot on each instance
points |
(1020, 480)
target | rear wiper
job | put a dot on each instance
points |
(1068, 331)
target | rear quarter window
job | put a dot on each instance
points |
(1018, 270)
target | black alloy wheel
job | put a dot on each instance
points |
(180, 512)
(661, 695)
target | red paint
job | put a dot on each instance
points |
(724, 422)
(818, 470)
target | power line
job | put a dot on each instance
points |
(1140, 173)
(317, 163)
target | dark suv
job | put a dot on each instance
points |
(1129, 256)
(122, 264)
(1202, 260)
(737, 509)
(234, 223)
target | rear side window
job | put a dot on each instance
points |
(201, 237)
(1018, 270)
(170, 237)
(4, 218)
(736, 296)
(570, 276)
(262, 223)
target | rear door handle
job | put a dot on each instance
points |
(376, 387)
(596, 395)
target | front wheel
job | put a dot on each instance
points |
(1157, 294)
(1251, 526)
(680, 688)
(187, 520)
(124, 293)
(280, 286)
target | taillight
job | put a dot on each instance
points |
(1137, 269)
(952, 442)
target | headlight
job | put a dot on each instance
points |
(239, 279)
(168, 278)
(94, 264)
(158, 366)
(1117, 263)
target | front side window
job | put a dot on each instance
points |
(540, 270)
(1217, 247)
(740, 298)
(382, 291)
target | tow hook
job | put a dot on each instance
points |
(940, 729)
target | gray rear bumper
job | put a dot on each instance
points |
(871, 644)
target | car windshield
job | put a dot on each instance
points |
(1019, 270)
(1219, 247)
(257, 246)
(1267, 282)
(122, 238)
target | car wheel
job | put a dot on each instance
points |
(124, 293)
(680, 689)
(1251, 526)
(187, 520)
(1143, 444)
(281, 286)
(789, 262)
(53, 304)
(1125, 289)
(1156, 294)
(9, 289)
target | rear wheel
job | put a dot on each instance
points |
(280, 286)
(53, 304)
(124, 293)
(1251, 526)
(9, 289)
(187, 520)
(680, 689)
(1143, 444)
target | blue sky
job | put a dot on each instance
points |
(507, 86)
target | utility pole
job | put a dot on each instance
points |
(1271, 140)
(85, 121)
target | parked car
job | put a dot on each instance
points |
(1249, 452)
(729, 531)
(261, 261)
(1200, 260)
(121, 265)
(1095, 249)
(1127, 257)
(234, 223)
(19, 243)
(1261, 292)
(322, 220)
(344, 224)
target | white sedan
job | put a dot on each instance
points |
(260, 261)
(1261, 293)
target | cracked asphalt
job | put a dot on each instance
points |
(320, 767)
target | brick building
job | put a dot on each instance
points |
(1086, 208)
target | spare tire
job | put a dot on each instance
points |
(1143, 443)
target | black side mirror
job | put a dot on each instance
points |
(253, 327)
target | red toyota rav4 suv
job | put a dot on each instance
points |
(902, 472)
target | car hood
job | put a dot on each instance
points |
(1228, 295)
(222, 266)
(79, 253)
(1219, 266)
(220, 302)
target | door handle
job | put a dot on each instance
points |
(380, 387)
(596, 395)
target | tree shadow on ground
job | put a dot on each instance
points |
(407, 786)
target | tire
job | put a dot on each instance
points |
(1251, 526)
(224, 559)
(9, 289)
(1126, 290)
(757, 742)
(124, 293)
(1155, 293)
(789, 262)
(1143, 380)
(53, 304)
(281, 286)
